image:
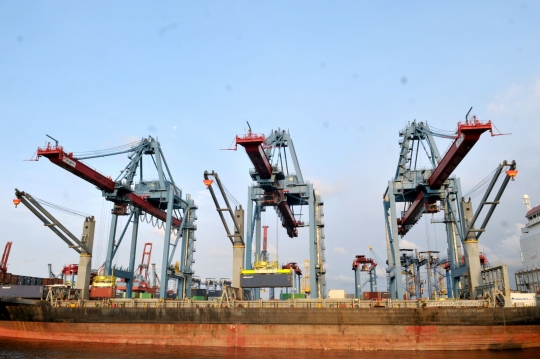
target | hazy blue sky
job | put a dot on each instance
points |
(344, 77)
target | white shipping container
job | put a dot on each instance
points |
(336, 294)
(523, 299)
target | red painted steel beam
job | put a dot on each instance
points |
(292, 266)
(147, 207)
(468, 134)
(361, 259)
(253, 145)
(65, 160)
(289, 222)
(410, 217)
(5, 257)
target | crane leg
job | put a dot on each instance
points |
(313, 245)
(166, 245)
(249, 237)
(85, 260)
(135, 230)
(110, 246)
(257, 242)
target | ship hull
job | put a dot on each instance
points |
(325, 328)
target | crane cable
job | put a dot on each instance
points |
(60, 208)
(481, 187)
(132, 146)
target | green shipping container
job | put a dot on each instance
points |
(147, 295)
(133, 295)
(285, 296)
(198, 297)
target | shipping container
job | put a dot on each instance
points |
(147, 295)
(215, 293)
(1, 277)
(134, 295)
(103, 292)
(14, 279)
(22, 291)
(523, 299)
(198, 292)
(336, 294)
(376, 295)
(7, 278)
(198, 297)
(266, 280)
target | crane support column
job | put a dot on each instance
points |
(166, 244)
(470, 246)
(394, 262)
(135, 230)
(110, 246)
(85, 259)
(357, 284)
(313, 244)
(249, 236)
(238, 250)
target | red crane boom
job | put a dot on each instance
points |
(59, 157)
(253, 144)
(5, 257)
(468, 134)
(56, 155)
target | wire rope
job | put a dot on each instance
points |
(109, 151)
(229, 195)
(60, 208)
(481, 187)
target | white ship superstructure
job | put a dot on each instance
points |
(528, 279)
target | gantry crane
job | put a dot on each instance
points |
(420, 189)
(142, 270)
(151, 200)
(5, 257)
(284, 190)
(362, 264)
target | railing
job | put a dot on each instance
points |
(350, 304)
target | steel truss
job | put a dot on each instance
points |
(158, 201)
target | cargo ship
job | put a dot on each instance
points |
(325, 324)
(479, 315)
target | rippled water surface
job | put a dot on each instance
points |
(16, 349)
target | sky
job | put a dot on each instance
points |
(342, 77)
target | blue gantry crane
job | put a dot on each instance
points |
(157, 201)
(421, 188)
(276, 185)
